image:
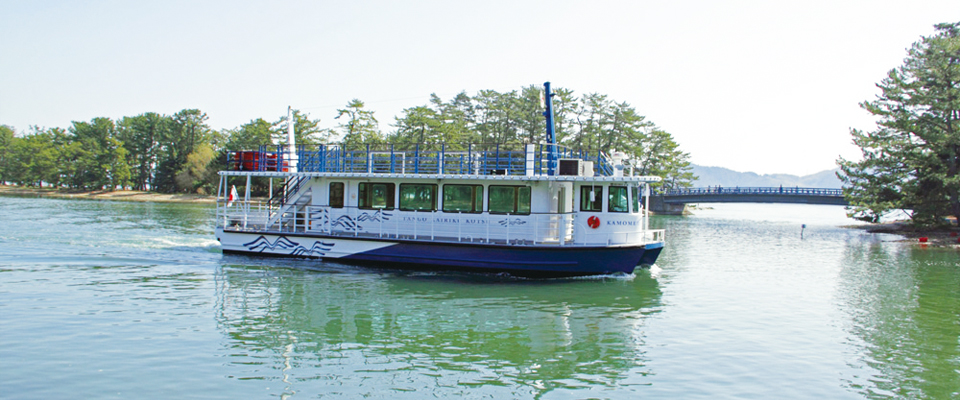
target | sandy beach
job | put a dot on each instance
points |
(116, 195)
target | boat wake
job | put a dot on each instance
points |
(655, 271)
(617, 276)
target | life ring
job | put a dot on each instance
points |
(593, 222)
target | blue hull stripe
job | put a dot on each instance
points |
(487, 258)
(524, 260)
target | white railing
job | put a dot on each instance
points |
(250, 215)
(441, 226)
(528, 229)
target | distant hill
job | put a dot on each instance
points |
(713, 176)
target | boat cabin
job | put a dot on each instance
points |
(503, 197)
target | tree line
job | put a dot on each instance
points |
(180, 153)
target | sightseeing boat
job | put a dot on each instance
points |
(526, 210)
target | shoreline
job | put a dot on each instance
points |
(936, 237)
(104, 195)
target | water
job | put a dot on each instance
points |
(132, 300)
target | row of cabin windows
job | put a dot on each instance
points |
(469, 198)
(617, 200)
(423, 197)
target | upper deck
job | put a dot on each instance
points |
(431, 161)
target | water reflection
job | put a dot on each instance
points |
(340, 332)
(904, 308)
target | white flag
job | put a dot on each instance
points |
(233, 195)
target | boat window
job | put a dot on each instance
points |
(463, 198)
(336, 194)
(509, 199)
(376, 195)
(590, 198)
(617, 201)
(523, 200)
(635, 192)
(418, 197)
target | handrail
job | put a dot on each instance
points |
(787, 191)
(556, 229)
(290, 188)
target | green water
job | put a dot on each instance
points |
(130, 300)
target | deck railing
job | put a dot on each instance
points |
(560, 229)
(470, 159)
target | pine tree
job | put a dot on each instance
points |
(911, 161)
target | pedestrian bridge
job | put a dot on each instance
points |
(754, 195)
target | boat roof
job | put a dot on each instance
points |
(520, 178)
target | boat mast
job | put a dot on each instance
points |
(553, 156)
(291, 143)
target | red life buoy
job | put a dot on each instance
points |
(593, 222)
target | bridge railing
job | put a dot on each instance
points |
(787, 191)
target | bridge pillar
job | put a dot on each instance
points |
(658, 206)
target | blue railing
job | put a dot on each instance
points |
(483, 159)
(718, 190)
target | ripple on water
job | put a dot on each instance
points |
(107, 298)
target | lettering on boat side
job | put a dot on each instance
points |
(624, 223)
(445, 220)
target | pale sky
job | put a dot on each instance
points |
(761, 86)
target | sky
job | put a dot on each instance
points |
(759, 86)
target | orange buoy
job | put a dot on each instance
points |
(923, 239)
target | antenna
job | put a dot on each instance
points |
(553, 155)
